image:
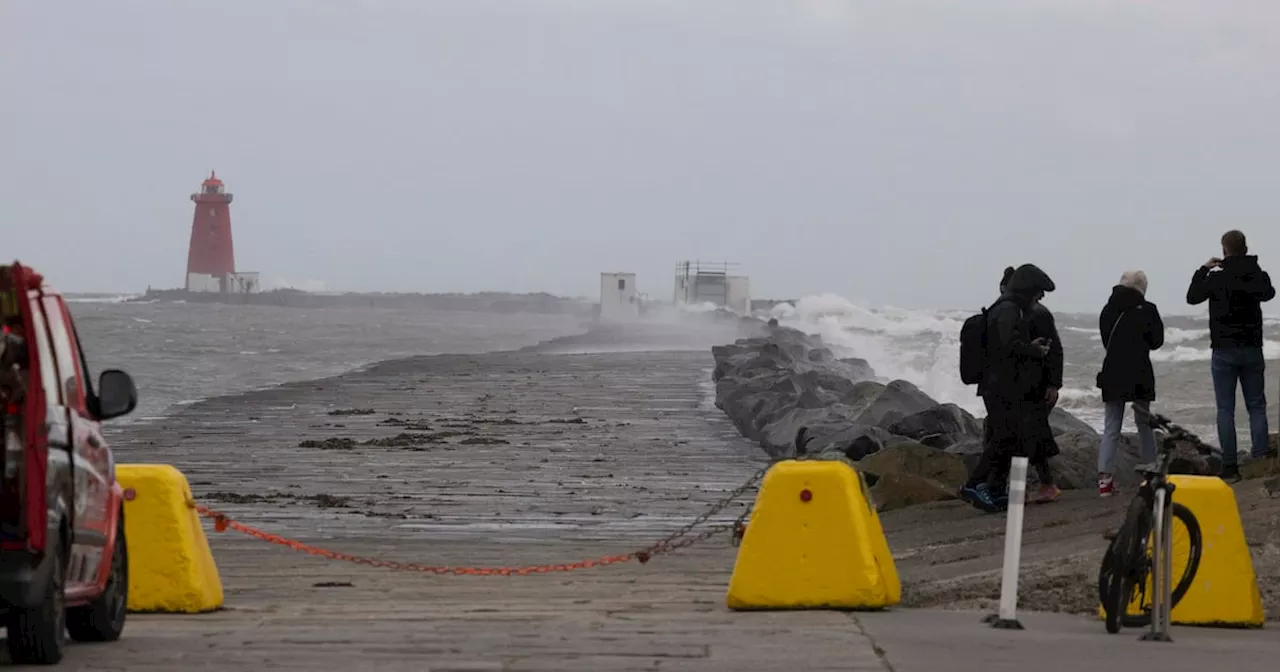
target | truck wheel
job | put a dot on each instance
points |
(36, 636)
(102, 620)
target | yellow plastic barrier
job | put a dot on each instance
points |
(814, 541)
(170, 566)
(1224, 591)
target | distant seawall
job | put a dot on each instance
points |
(490, 302)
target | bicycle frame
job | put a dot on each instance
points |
(1162, 566)
(1141, 553)
(1158, 492)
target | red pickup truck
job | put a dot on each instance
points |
(63, 559)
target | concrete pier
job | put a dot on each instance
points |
(525, 459)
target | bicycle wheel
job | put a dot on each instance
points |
(1186, 548)
(1104, 573)
(1124, 564)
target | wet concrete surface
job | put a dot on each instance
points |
(524, 459)
(950, 556)
(929, 640)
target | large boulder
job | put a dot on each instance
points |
(854, 442)
(1076, 465)
(778, 437)
(1262, 468)
(819, 381)
(1187, 458)
(748, 401)
(909, 473)
(855, 422)
(1062, 422)
(761, 381)
(898, 491)
(882, 405)
(857, 442)
(729, 356)
(969, 451)
(859, 369)
(910, 457)
(939, 426)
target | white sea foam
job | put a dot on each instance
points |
(1084, 403)
(1183, 353)
(1076, 396)
(1172, 335)
(98, 298)
(919, 346)
(923, 346)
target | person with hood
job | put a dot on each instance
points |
(1010, 383)
(1044, 445)
(1235, 287)
(1130, 327)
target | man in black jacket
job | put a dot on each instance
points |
(1011, 383)
(1235, 287)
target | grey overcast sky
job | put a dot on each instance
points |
(892, 151)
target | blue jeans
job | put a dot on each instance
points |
(1111, 434)
(1248, 366)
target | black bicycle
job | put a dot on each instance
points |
(1125, 578)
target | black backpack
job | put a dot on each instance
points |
(973, 347)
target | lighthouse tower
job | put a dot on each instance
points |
(211, 257)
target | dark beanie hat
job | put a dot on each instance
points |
(1029, 279)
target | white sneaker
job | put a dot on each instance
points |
(1107, 486)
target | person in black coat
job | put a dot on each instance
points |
(1010, 383)
(1131, 328)
(1038, 432)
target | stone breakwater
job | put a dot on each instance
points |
(792, 394)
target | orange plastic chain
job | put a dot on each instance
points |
(222, 523)
(681, 538)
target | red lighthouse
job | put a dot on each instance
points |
(211, 256)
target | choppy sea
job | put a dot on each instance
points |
(179, 353)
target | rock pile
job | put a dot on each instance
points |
(791, 393)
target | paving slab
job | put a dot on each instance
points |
(923, 640)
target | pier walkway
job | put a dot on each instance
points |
(531, 459)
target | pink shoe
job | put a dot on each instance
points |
(1046, 494)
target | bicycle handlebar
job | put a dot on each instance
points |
(1177, 432)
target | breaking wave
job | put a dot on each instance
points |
(923, 346)
(1182, 353)
(919, 346)
(98, 298)
(1172, 335)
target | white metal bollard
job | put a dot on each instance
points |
(1007, 618)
